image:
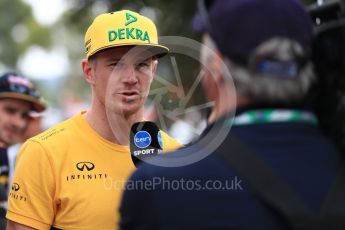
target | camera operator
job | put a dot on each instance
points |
(329, 61)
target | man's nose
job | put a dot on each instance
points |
(19, 121)
(130, 75)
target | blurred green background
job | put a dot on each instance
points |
(44, 41)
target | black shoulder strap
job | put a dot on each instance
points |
(268, 186)
(332, 213)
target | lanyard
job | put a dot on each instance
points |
(274, 115)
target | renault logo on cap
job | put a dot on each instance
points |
(81, 166)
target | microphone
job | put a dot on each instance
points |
(145, 141)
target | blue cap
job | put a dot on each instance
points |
(239, 26)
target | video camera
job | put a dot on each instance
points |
(329, 61)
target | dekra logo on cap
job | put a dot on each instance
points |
(130, 18)
(128, 33)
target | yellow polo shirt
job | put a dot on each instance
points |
(69, 177)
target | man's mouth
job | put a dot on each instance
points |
(130, 95)
(11, 132)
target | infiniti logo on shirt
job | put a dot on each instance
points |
(81, 166)
(88, 172)
(16, 194)
(15, 187)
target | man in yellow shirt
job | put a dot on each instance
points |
(71, 176)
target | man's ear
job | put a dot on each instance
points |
(154, 65)
(216, 65)
(213, 59)
(87, 67)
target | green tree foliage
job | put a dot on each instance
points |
(19, 31)
(173, 18)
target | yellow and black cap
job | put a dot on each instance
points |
(122, 28)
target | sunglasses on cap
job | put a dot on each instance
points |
(22, 89)
(17, 84)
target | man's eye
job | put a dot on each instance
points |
(117, 64)
(142, 64)
(26, 116)
(10, 111)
